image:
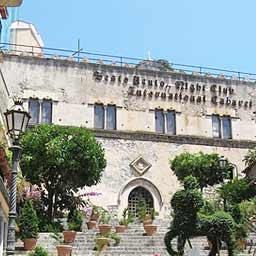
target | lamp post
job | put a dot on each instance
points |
(17, 120)
(223, 164)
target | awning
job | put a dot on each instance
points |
(10, 3)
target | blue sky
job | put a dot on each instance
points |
(219, 33)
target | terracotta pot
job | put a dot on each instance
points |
(102, 243)
(64, 250)
(104, 229)
(150, 229)
(69, 236)
(91, 224)
(120, 228)
(2, 153)
(147, 222)
(29, 244)
(241, 244)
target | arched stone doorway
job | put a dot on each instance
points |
(135, 196)
(132, 184)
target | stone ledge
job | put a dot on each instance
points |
(49, 61)
(177, 139)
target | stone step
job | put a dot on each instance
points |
(133, 243)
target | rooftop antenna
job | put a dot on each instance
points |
(79, 49)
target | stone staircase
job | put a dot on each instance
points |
(133, 243)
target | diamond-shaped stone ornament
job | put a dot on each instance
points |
(140, 165)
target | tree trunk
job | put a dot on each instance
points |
(50, 206)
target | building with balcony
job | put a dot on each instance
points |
(5, 171)
(143, 114)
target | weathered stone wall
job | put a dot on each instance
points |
(120, 153)
(75, 87)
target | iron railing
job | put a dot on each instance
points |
(82, 56)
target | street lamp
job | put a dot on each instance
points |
(223, 164)
(17, 121)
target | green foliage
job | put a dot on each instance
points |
(250, 157)
(165, 65)
(28, 221)
(112, 235)
(38, 251)
(218, 225)
(190, 182)
(57, 237)
(127, 218)
(115, 237)
(194, 216)
(61, 160)
(237, 190)
(210, 207)
(75, 220)
(142, 209)
(205, 168)
(248, 208)
(105, 217)
(186, 204)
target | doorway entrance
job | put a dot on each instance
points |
(135, 196)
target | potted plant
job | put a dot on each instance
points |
(123, 223)
(75, 222)
(102, 242)
(62, 248)
(240, 235)
(94, 214)
(104, 226)
(149, 227)
(39, 251)
(28, 224)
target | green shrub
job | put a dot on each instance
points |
(28, 221)
(142, 209)
(127, 218)
(218, 224)
(75, 220)
(237, 190)
(38, 251)
(205, 168)
(248, 208)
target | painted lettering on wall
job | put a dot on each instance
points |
(179, 90)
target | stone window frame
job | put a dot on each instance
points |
(105, 109)
(165, 120)
(221, 126)
(41, 110)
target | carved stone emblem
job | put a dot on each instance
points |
(140, 165)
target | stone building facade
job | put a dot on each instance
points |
(143, 118)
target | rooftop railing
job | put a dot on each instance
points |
(122, 61)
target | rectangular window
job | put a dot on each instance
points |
(46, 113)
(98, 116)
(111, 117)
(34, 109)
(159, 121)
(216, 127)
(226, 127)
(171, 122)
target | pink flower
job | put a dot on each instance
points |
(91, 194)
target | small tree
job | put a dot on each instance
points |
(205, 167)
(28, 221)
(61, 160)
(235, 191)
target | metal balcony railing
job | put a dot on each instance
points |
(121, 61)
